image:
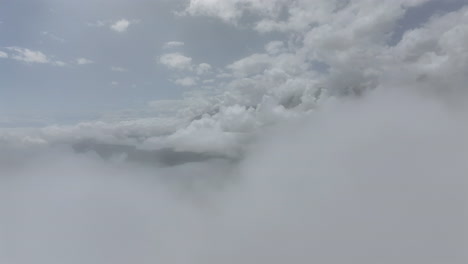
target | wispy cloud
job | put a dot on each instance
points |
(28, 56)
(84, 61)
(173, 44)
(53, 36)
(120, 26)
(118, 69)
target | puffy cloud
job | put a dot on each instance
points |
(120, 25)
(203, 68)
(176, 61)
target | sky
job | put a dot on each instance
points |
(76, 61)
(90, 58)
(233, 131)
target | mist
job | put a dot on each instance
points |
(361, 181)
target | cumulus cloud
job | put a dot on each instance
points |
(120, 25)
(176, 61)
(203, 68)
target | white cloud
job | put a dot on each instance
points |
(176, 61)
(53, 36)
(60, 63)
(118, 69)
(173, 44)
(275, 47)
(187, 81)
(31, 56)
(3, 55)
(28, 56)
(232, 10)
(83, 61)
(120, 25)
(203, 68)
(254, 64)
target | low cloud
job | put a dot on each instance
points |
(360, 171)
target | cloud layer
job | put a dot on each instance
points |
(341, 141)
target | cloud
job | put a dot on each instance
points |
(203, 68)
(187, 81)
(28, 56)
(3, 55)
(232, 10)
(31, 57)
(330, 146)
(357, 170)
(176, 61)
(53, 36)
(121, 25)
(173, 44)
(83, 61)
(60, 63)
(118, 69)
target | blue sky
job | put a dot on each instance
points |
(93, 68)
(123, 70)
